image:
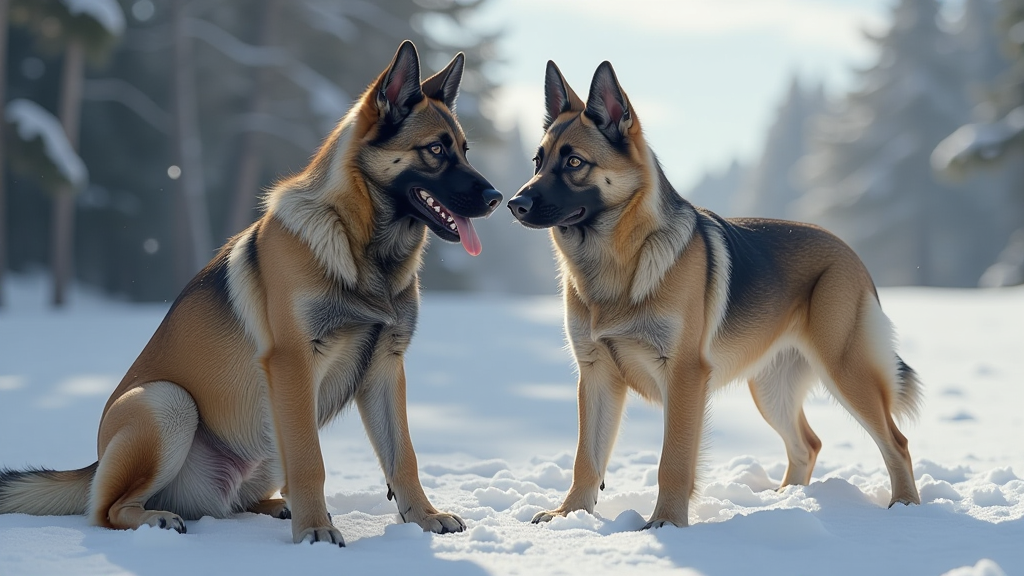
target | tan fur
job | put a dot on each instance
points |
(311, 307)
(672, 302)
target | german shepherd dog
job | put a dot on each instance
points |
(673, 301)
(311, 307)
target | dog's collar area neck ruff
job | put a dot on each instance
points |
(461, 227)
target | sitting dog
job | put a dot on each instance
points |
(311, 307)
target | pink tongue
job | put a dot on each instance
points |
(470, 241)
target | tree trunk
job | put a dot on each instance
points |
(193, 247)
(250, 159)
(62, 233)
(4, 5)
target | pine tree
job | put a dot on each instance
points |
(80, 31)
(868, 174)
(992, 146)
(267, 90)
(771, 186)
(4, 8)
(717, 189)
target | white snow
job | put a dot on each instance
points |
(33, 121)
(107, 12)
(496, 456)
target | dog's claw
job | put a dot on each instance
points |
(165, 521)
(326, 534)
(546, 516)
(653, 524)
(442, 523)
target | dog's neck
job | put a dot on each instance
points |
(625, 252)
(346, 221)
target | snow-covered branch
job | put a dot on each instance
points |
(33, 121)
(326, 98)
(107, 13)
(117, 90)
(979, 143)
(336, 18)
(297, 134)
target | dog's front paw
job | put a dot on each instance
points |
(660, 523)
(548, 515)
(441, 523)
(328, 534)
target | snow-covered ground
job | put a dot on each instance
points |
(493, 417)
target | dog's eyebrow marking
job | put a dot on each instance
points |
(565, 150)
(446, 139)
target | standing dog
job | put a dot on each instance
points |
(673, 301)
(311, 307)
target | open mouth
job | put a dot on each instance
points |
(573, 218)
(459, 227)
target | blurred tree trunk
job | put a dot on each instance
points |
(250, 160)
(62, 232)
(4, 5)
(193, 247)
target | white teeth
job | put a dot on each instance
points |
(424, 195)
(437, 208)
(449, 218)
(453, 226)
(430, 201)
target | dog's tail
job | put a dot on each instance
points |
(43, 492)
(908, 391)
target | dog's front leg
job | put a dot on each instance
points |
(381, 401)
(293, 404)
(685, 404)
(601, 396)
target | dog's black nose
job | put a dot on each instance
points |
(492, 197)
(520, 205)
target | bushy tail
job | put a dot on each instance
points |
(46, 492)
(908, 391)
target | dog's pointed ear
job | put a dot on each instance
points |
(444, 85)
(607, 104)
(558, 96)
(398, 89)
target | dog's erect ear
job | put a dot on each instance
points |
(607, 104)
(444, 85)
(398, 89)
(558, 96)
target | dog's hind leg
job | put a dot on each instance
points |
(779, 392)
(852, 339)
(259, 490)
(145, 437)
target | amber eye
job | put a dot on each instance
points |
(574, 162)
(436, 149)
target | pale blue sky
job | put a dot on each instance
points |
(705, 76)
